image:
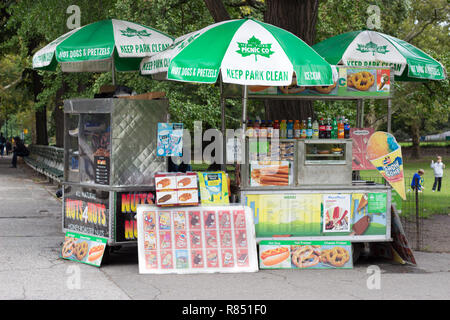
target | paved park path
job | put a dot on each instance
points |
(30, 267)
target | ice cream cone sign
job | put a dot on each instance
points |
(385, 154)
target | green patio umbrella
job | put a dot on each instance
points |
(368, 48)
(246, 52)
(106, 45)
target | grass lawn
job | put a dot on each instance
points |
(433, 202)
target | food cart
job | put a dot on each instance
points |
(109, 164)
(302, 190)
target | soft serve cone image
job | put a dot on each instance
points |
(385, 154)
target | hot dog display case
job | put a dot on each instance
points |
(109, 164)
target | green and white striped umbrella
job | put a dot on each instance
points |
(93, 47)
(368, 48)
(246, 51)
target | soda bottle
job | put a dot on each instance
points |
(297, 131)
(256, 129)
(309, 130)
(263, 129)
(303, 130)
(290, 130)
(315, 128)
(269, 129)
(249, 129)
(283, 128)
(322, 129)
(328, 129)
(276, 130)
(334, 129)
(346, 129)
(341, 133)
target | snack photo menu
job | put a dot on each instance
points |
(196, 239)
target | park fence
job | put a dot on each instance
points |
(411, 211)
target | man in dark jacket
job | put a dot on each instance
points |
(2, 143)
(19, 150)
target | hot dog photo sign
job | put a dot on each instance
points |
(288, 254)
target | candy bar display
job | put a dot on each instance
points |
(196, 239)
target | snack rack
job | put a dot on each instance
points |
(109, 164)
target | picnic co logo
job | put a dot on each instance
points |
(130, 32)
(372, 47)
(254, 46)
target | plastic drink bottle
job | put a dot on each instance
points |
(309, 130)
(346, 129)
(290, 130)
(249, 129)
(341, 128)
(276, 130)
(328, 129)
(297, 131)
(269, 129)
(315, 128)
(283, 128)
(303, 130)
(334, 129)
(263, 129)
(322, 129)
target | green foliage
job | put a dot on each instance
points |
(29, 25)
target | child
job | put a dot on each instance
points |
(438, 168)
(417, 180)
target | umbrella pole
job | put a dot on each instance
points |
(389, 115)
(244, 109)
(224, 138)
(113, 71)
(362, 114)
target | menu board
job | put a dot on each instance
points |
(289, 254)
(102, 168)
(350, 82)
(83, 248)
(196, 239)
(318, 214)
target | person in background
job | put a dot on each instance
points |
(19, 151)
(2, 143)
(417, 180)
(438, 168)
(8, 146)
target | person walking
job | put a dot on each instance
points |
(2, 143)
(417, 180)
(438, 168)
(19, 151)
(8, 146)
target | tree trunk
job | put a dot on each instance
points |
(415, 132)
(217, 10)
(298, 17)
(41, 114)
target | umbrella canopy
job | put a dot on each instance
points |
(93, 47)
(246, 51)
(371, 48)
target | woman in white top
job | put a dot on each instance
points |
(438, 168)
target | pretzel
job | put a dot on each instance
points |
(362, 80)
(337, 256)
(349, 81)
(323, 255)
(325, 89)
(305, 257)
(81, 250)
(68, 247)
